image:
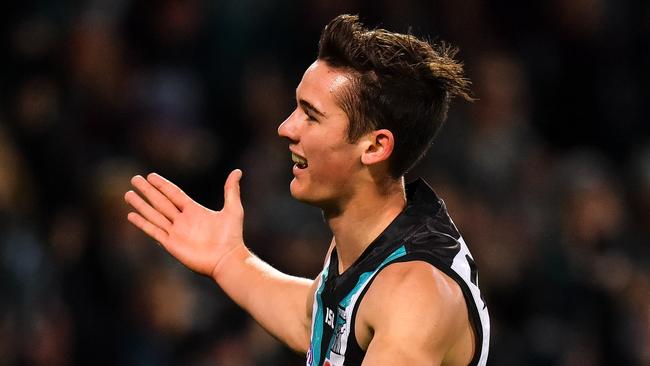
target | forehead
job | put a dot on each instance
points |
(322, 83)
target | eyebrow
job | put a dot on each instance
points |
(306, 105)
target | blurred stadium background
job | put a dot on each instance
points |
(547, 174)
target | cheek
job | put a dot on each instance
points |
(332, 159)
(335, 166)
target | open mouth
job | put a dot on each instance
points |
(300, 162)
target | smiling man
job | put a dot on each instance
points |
(399, 286)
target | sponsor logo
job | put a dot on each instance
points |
(329, 317)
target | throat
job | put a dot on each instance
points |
(356, 227)
(346, 258)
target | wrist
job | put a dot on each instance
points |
(235, 255)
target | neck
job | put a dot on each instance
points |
(363, 217)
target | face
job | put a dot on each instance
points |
(325, 163)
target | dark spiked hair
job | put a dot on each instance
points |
(399, 82)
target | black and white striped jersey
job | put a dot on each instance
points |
(423, 231)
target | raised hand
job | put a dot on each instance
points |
(197, 236)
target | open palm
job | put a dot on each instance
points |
(197, 236)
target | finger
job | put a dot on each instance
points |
(145, 210)
(155, 197)
(150, 229)
(170, 190)
(231, 191)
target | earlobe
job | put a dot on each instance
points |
(379, 148)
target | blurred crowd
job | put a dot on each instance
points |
(547, 174)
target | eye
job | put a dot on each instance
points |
(310, 115)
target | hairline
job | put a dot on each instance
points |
(347, 97)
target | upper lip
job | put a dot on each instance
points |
(293, 151)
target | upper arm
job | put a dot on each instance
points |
(414, 312)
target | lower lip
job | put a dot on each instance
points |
(297, 170)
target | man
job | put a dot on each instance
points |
(399, 285)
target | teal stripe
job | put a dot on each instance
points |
(399, 252)
(317, 333)
(363, 278)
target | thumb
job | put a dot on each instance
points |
(231, 195)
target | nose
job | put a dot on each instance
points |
(288, 128)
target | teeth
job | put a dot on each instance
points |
(298, 160)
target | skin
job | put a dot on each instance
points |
(412, 312)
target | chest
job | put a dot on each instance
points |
(339, 334)
(335, 328)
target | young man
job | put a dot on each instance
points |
(399, 285)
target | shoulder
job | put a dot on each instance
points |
(416, 302)
(414, 283)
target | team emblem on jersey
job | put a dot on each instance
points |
(339, 330)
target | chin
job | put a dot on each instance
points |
(296, 191)
(301, 194)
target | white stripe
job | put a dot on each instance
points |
(461, 266)
(314, 309)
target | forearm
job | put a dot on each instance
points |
(274, 299)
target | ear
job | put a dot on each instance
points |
(379, 146)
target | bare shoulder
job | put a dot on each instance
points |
(413, 307)
(415, 283)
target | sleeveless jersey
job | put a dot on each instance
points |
(423, 231)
